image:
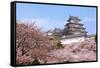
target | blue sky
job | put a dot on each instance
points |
(54, 16)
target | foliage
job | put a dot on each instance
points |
(35, 47)
(76, 52)
(31, 43)
(95, 37)
(59, 45)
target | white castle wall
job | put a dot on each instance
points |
(72, 40)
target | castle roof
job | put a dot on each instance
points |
(74, 18)
(74, 24)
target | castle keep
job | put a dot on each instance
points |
(73, 31)
(74, 27)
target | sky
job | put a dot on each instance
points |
(55, 16)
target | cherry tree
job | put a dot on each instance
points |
(31, 42)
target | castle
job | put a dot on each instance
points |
(73, 31)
